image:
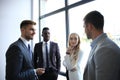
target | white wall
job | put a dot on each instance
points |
(12, 12)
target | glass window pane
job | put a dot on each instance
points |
(111, 26)
(76, 25)
(56, 23)
(73, 1)
(47, 6)
(35, 18)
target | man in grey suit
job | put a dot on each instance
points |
(104, 58)
(19, 64)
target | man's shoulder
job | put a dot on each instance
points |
(38, 44)
(17, 42)
(53, 42)
(15, 45)
(108, 44)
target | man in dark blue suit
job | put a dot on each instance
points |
(19, 64)
(47, 55)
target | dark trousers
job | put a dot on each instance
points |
(49, 75)
(67, 75)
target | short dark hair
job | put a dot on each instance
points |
(96, 18)
(24, 23)
(45, 28)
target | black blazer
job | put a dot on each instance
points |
(18, 64)
(54, 56)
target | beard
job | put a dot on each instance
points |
(29, 37)
(88, 35)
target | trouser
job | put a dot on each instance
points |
(49, 75)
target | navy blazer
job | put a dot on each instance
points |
(19, 66)
(54, 56)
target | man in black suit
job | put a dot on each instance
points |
(19, 64)
(47, 55)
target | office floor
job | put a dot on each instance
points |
(61, 77)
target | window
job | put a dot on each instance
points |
(73, 1)
(50, 5)
(64, 19)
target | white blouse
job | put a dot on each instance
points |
(73, 75)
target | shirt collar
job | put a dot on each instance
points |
(25, 41)
(96, 40)
(48, 42)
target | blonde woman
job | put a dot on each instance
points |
(73, 57)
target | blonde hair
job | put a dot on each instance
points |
(76, 48)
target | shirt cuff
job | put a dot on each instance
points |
(36, 74)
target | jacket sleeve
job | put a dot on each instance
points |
(35, 57)
(67, 62)
(58, 58)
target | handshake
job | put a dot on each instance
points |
(40, 71)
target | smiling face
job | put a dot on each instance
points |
(74, 40)
(28, 32)
(46, 35)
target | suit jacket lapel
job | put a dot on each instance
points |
(51, 50)
(85, 75)
(25, 51)
(96, 47)
(41, 51)
(90, 55)
(92, 52)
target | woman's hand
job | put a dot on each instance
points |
(69, 50)
(74, 69)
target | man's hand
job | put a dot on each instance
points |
(40, 71)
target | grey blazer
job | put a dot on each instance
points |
(18, 63)
(104, 61)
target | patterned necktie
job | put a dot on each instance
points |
(47, 61)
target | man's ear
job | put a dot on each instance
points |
(22, 29)
(90, 26)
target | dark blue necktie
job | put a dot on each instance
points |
(47, 61)
(30, 52)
